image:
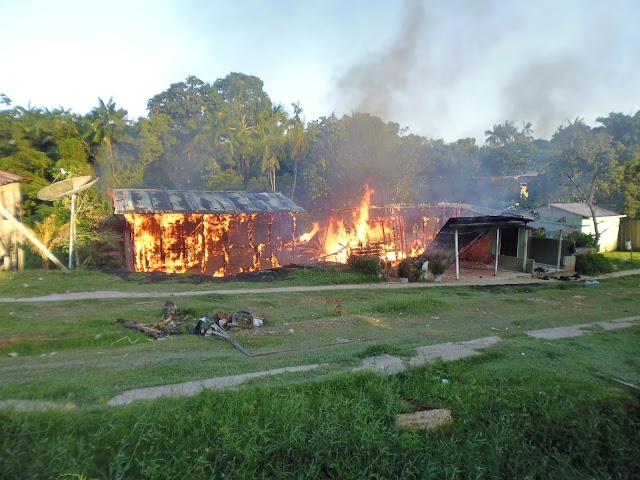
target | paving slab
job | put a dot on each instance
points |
(583, 328)
(189, 389)
(382, 364)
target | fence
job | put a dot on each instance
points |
(629, 230)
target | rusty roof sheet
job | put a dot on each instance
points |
(6, 178)
(200, 202)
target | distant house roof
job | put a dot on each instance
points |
(582, 209)
(6, 178)
(200, 202)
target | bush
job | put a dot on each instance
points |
(365, 264)
(404, 268)
(583, 239)
(438, 267)
(593, 264)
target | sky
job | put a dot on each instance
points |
(442, 69)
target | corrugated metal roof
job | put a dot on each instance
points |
(582, 209)
(470, 230)
(6, 178)
(200, 202)
(551, 226)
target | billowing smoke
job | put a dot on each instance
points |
(454, 69)
(372, 85)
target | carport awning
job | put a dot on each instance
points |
(470, 230)
(551, 226)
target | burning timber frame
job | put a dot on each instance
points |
(217, 233)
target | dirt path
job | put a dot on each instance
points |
(467, 277)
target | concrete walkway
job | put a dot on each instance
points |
(467, 277)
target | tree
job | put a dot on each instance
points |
(106, 124)
(508, 151)
(298, 142)
(587, 162)
(51, 234)
(271, 136)
(245, 104)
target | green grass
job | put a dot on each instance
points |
(525, 408)
(30, 283)
(515, 416)
(623, 261)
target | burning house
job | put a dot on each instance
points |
(391, 232)
(216, 233)
(227, 233)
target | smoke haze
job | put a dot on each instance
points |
(458, 60)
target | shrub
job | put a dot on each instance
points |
(593, 264)
(405, 268)
(583, 239)
(438, 267)
(366, 264)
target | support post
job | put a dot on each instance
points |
(455, 236)
(72, 230)
(559, 250)
(495, 267)
(526, 246)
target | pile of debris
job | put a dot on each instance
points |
(169, 325)
(216, 325)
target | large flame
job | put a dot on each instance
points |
(358, 232)
(216, 244)
(226, 244)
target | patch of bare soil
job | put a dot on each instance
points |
(559, 304)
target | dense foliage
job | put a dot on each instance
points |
(593, 264)
(228, 135)
(365, 264)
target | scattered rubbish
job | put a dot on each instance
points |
(291, 330)
(522, 354)
(435, 318)
(445, 381)
(494, 328)
(124, 338)
(208, 327)
(12, 354)
(540, 270)
(591, 282)
(25, 285)
(171, 323)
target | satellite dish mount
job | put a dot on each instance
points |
(68, 188)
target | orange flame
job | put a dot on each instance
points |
(305, 237)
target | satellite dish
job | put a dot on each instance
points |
(66, 188)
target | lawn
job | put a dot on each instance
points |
(525, 408)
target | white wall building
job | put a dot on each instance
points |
(579, 216)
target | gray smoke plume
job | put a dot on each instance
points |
(372, 85)
(456, 68)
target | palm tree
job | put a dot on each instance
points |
(51, 235)
(107, 123)
(298, 142)
(271, 133)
